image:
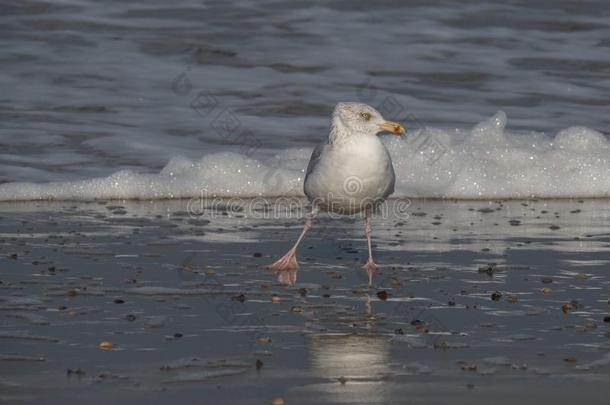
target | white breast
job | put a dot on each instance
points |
(350, 176)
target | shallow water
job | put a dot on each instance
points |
(91, 88)
(190, 308)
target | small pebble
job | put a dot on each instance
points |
(469, 367)
(395, 283)
(240, 298)
(489, 269)
(264, 340)
(382, 295)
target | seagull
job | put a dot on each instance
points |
(351, 173)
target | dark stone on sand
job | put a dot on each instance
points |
(382, 295)
(451, 303)
(546, 280)
(130, 317)
(240, 298)
(495, 296)
(76, 371)
(119, 301)
(177, 335)
(257, 254)
(399, 331)
(606, 318)
(303, 291)
(259, 364)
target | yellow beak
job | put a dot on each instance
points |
(393, 127)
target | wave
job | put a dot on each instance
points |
(486, 162)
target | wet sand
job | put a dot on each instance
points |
(142, 301)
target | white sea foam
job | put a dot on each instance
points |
(486, 162)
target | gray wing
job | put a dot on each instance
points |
(390, 190)
(315, 158)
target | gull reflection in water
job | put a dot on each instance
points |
(287, 277)
(353, 364)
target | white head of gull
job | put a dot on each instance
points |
(350, 173)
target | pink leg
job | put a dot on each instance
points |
(370, 265)
(289, 260)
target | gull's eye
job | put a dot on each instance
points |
(365, 116)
